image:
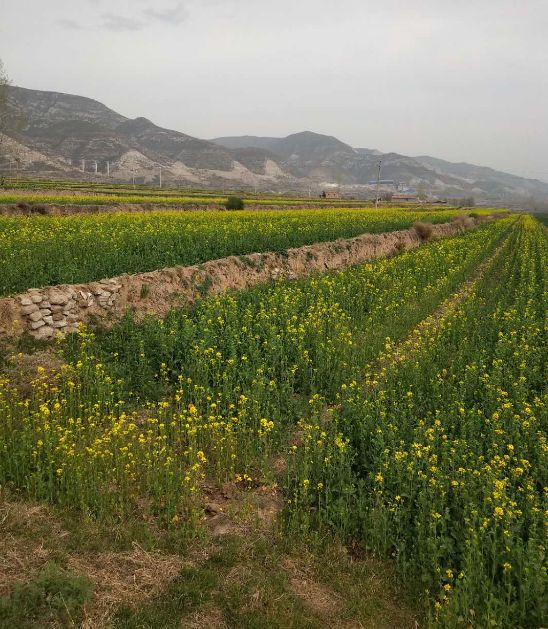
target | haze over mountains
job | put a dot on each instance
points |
(52, 133)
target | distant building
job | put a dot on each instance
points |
(382, 182)
(404, 197)
(330, 194)
(407, 189)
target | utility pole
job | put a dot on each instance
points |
(108, 169)
(95, 162)
(160, 176)
(83, 165)
(378, 182)
(133, 176)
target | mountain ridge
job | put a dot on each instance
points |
(54, 133)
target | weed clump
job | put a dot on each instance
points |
(423, 230)
(23, 207)
(39, 209)
(234, 203)
(54, 595)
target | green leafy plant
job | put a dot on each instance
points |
(55, 596)
(234, 203)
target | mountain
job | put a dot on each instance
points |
(60, 130)
(305, 146)
(328, 160)
(302, 153)
(482, 175)
(59, 135)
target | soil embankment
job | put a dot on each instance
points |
(43, 312)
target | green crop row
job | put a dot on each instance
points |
(44, 250)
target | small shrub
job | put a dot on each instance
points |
(424, 230)
(23, 207)
(145, 290)
(55, 597)
(234, 203)
(39, 209)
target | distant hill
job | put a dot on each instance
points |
(482, 176)
(327, 159)
(302, 153)
(61, 130)
(55, 134)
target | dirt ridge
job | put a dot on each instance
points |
(45, 312)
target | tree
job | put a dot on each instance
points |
(3, 76)
(4, 82)
(234, 203)
(422, 192)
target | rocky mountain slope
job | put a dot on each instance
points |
(59, 135)
(69, 133)
(327, 159)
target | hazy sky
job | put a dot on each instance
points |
(465, 80)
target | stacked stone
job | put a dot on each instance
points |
(60, 309)
(106, 292)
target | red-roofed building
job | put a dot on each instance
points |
(404, 197)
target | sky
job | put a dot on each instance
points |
(463, 80)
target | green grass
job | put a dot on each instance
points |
(244, 580)
(258, 583)
(54, 596)
(542, 217)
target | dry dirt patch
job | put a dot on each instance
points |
(131, 577)
(235, 511)
(19, 563)
(24, 368)
(316, 596)
(29, 534)
(207, 617)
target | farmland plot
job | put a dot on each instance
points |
(399, 405)
(38, 251)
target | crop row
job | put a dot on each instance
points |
(141, 415)
(445, 452)
(160, 197)
(45, 250)
(108, 193)
(90, 187)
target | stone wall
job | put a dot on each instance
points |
(60, 309)
(45, 312)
